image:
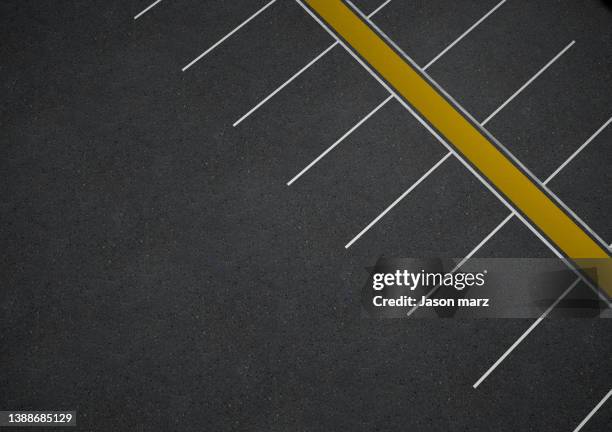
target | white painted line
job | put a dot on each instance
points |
(285, 84)
(245, 22)
(524, 335)
(378, 9)
(401, 197)
(435, 59)
(593, 411)
(300, 72)
(151, 6)
(511, 215)
(582, 147)
(342, 138)
(483, 242)
(467, 257)
(532, 79)
(467, 32)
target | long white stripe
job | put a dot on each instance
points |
(524, 335)
(220, 41)
(396, 202)
(285, 84)
(300, 72)
(532, 79)
(467, 32)
(467, 257)
(330, 148)
(578, 150)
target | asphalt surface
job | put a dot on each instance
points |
(159, 274)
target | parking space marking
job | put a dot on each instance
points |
(467, 32)
(145, 10)
(578, 150)
(533, 78)
(371, 113)
(397, 201)
(330, 148)
(445, 157)
(480, 152)
(300, 72)
(224, 38)
(524, 335)
(511, 215)
(593, 411)
(285, 84)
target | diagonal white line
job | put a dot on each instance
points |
(378, 9)
(467, 32)
(466, 258)
(524, 335)
(435, 59)
(145, 10)
(285, 84)
(224, 38)
(593, 411)
(342, 138)
(578, 150)
(330, 148)
(401, 197)
(300, 72)
(533, 78)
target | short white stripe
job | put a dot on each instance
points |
(152, 5)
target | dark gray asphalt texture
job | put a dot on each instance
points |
(159, 275)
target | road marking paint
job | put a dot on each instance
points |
(435, 59)
(532, 79)
(330, 148)
(593, 411)
(606, 270)
(145, 10)
(378, 9)
(578, 150)
(401, 197)
(342, 138)
(524, 335)
(489, 118)
(511, 215)
(224, 38)
(537, 209)
(467, 32)
(300, 72)
(285, 84)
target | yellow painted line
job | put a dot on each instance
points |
(472, 143)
